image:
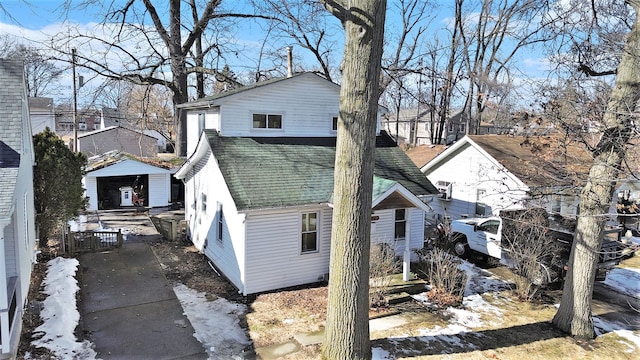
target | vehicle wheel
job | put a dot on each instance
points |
(460, 246)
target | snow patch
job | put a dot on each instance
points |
(59, 314)
(216, 323)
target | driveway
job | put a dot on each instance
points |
(128, 308)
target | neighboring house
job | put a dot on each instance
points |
(480, 175)
(162, 140)
(107, 177)
(17, 215)
(414, 126)
(117, 138)
(42, 114)
(259, 183)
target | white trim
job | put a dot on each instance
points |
(397, 187)
(443, 156)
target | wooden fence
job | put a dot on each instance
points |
(171, 228)
(91, 241)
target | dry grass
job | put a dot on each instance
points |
(274, 318)
(523, 330)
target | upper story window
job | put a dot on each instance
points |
(334, 123)
(451, 127)
(462, 127)
(267, 121)
(201, 122)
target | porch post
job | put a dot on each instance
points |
(406, 258)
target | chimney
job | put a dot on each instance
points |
(289, 61)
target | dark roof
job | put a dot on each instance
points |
(12, 99)
(276, 172)
(539, 161)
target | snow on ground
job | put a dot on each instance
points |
(216, 323)
(59, 314)
(602, 327)
(462, 320)
(624, 280)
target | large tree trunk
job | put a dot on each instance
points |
(574, 313)
(347, 328)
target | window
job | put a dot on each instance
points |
(203, 202)
(334, 123)
(481, 207)
(462, 127)
(309, 232)
(451, 127)
(556, 205)
(490, 226)
(220, 223)
(267, 121)
(201, 123)
(400, 223)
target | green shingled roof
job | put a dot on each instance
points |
(278, 172)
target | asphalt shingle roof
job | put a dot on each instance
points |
(12, 100)
(538, 161)
(277, 172)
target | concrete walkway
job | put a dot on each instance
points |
(129, 309)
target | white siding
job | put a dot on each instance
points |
(228, 255)
(306, 104)
(194, 130)
(10, 251)
(383, 229)
(159, 190)
(91, 191)
(274, 259)
(468, 170)
(159, 181)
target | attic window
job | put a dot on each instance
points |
(267, 121)
(334, 123)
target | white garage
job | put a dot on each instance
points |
(114, 176)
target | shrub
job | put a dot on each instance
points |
(382, 265)
(441, 270)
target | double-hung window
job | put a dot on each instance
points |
(309, 232)
(220, 223)
(267, 121)
(400, 224)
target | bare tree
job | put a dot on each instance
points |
(347, 329)
(574, 315)
(148, 54)
(491, 39)
(41, 73)
(306, 24)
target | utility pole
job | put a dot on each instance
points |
(75, 101)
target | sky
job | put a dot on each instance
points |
(217, 328)
(30, 19)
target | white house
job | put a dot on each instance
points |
(480, 175)
(42, 114)
(17, 220)
(259, 183)
(106, 174)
